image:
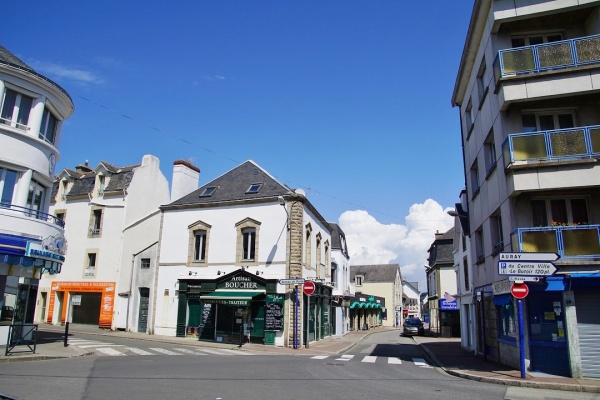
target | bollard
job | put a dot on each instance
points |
(66, 334)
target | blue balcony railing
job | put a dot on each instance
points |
(570, 242)
(548, 56)
(556, 145)
(34, 214)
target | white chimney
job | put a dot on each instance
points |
(185, 179)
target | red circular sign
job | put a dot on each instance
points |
(519, 290)
(308, 288)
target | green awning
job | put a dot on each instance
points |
(231, 297)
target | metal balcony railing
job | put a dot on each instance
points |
(570, 242)
(34, 214)
(547, 56)
(556, 145)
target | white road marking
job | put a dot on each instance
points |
(164, 351)
(215, 352)
(369, 359)
(394, 360)
(98, 345)
(109, 351)
(139, 351)
(319, 357)
(420, 362)
(345, 357)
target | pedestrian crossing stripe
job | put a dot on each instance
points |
(345, 357)
(164, 351)
(394, 360)
(419, 362)
(110, 351)
(369, 359)
(139, 351)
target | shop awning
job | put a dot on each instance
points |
(231, 297)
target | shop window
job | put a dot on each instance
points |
(507, 326)
(198, 243)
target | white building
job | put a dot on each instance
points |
(527, 92)
(343, 291)
(112, 221)
(33, 109)
(411, 300)
(224, 251)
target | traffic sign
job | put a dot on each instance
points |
(297, 281)
(526, 268)
(519, 290)
(308, 288)
(524, 278)
(528, 256)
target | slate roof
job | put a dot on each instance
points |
(233, 186)
(8, 58)
(336, 243)
(441, 249)
(84, 182)
(375, 273)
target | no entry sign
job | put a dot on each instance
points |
(308, 288)
(519, 290)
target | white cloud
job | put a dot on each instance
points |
(371, 242)
(58, 71)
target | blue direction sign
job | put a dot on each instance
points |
(531, 268)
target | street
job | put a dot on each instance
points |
(382, 366)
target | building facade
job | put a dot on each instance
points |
(381, 280)
(232, 258)
(411, 302)
(342, 290)
(32, 243)
(528, 96)
(444, 316)
(112, 222)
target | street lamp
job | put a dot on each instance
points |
(289, 260)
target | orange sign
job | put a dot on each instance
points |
(106, 306)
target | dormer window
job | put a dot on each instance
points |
(101, 181)
(208, 191)
(358, 280)
(254, 188)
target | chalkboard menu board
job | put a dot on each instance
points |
(273, 316)
(206, 330)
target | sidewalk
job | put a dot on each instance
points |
(444, 352)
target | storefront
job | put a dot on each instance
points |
(449, 317)
(82, 303)
(317, 314)
(366, 311)
(235, 308)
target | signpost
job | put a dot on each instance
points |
(525, 267)
(295, 282)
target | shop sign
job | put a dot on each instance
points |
(448, 305)
(227, 302)
(275, 298)
(36, 250)
(239, 282)
(502, 287)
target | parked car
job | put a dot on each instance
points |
(413, 326)
(7, 313)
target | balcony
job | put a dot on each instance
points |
(31, 213)
(579, 242)
(547, 57)
(552, 146)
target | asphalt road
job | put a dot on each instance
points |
(383, 366)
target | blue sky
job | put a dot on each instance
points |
(349, 100)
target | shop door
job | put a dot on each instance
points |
(588, 325)
(88, 312)
(258, 323)
(143, 311)
(547, 334)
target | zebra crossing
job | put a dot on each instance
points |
(419, 362)
(119, 350)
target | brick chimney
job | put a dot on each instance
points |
(185, 179)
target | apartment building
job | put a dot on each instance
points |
(527, 90)
(112, 223)
(32, 243)
(342, 290)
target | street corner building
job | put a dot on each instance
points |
(527, 94)
(233, 255)
(32, 243)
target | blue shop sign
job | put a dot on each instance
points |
(448, 305)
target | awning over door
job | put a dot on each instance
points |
(231, 297)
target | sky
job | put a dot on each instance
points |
(348, 100)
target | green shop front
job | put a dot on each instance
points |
(366, 311)
(317, 314)
(237, 308)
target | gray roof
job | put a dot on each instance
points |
(84, 182)
(441, 250)
(9, 58)
(233, 186)
(336, 243)
(376, 273)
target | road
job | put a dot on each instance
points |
(383, 366)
